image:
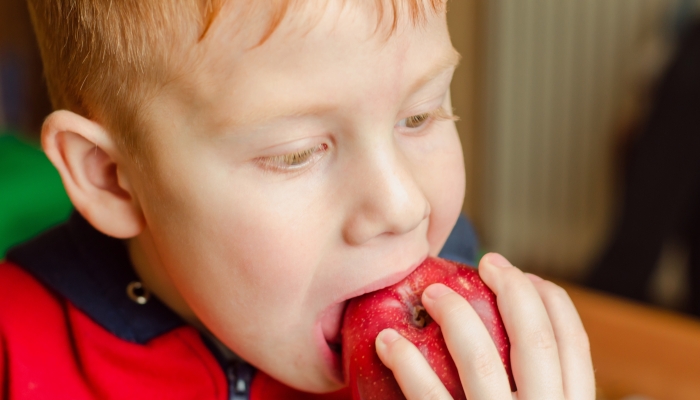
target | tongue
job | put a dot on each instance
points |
(330, 322)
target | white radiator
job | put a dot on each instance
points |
(559, 74)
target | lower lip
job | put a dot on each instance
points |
(331, 359)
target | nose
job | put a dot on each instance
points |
(387, 198)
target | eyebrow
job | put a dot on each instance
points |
(446, 62)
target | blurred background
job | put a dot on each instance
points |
(31, 195)
(581, 132)
(561, 101)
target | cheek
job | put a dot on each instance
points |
(443, 180)
(243, 243)
(254, 259)
(251, 248)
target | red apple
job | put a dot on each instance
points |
(399, 307)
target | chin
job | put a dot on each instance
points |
(318, 371)
(316, 381)
(325, 386)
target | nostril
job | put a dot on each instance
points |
(386, 201)
(365, 225)
(360, 232)
(410, 220)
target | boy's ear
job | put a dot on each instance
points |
(89, 165)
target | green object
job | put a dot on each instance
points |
(32, 197)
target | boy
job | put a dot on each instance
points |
(241, 170)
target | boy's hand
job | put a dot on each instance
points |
(550, 352)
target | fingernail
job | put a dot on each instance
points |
(497, 260)
(388, 336)
(436, 290)
(534, 278)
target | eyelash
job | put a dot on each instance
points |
(420, 120)
(293, 161)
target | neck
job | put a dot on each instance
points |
(154, 277)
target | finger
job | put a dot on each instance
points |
(481, 370)
(534, 354)
(572, 340)
(416, 378)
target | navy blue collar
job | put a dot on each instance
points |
(92, 271)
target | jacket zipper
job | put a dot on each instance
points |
(239, 375)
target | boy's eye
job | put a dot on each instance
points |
(293, 161)
(417, 121)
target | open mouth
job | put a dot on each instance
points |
(336, 348)
(331, 326)
(332, 319)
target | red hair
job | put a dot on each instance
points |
(103, 58)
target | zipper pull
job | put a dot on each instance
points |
(239, 375)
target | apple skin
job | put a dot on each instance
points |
(399, 307)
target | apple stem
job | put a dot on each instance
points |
(421, 318)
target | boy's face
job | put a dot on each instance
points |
(289, 177)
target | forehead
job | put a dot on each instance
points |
(259, 19)
(336, 45)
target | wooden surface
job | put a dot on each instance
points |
(640, 350)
